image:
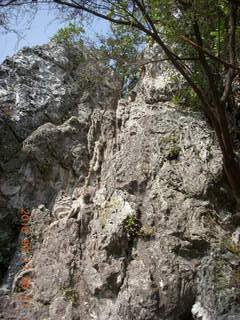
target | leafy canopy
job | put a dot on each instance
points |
(72, 34)
(118, 50)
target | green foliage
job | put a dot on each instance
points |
(44, 167)
(72, 36)
(176, 19)
(187, 98)
(132, 226)
(170, 139)
(218, 38)
(173, 152)
(6, 111)
(118, 50)
(178, 100)
(70, 295)
(230, 246)
(69, 35)
(173, 148)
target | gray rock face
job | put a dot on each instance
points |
(130, 210)
(35, 87)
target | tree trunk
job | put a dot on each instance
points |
(230, 161)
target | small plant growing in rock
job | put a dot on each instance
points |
(6, 111)
(70, 295)
(44, 167)
(233, 248)
(173, 153)
(177, 99)
(229, 245)
(173, 148)
(170, 139)
(189, 195)
(132, 226)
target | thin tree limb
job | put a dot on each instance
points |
(224, 137)
(209, 54)
(142, 62)
(232, 50)
(95, 13)
(172, 58)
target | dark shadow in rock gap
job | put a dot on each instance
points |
(221, 199)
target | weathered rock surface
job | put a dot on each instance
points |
(130, 211)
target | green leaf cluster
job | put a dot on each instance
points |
(132, 226)
(69, 35)
(118, 50)
(172, 19)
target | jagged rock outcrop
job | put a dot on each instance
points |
(130, 210)
(39, 91)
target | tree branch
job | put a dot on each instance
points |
(232, 50)
(209, 54)
(10, 2)
(172, 57)
(220, 122)
(142, 62)
(95, 13)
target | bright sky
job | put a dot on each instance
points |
(42, 28)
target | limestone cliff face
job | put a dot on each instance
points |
(130, 211)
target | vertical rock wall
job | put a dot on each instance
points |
(130, 210)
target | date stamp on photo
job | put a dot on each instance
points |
(23, 281)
